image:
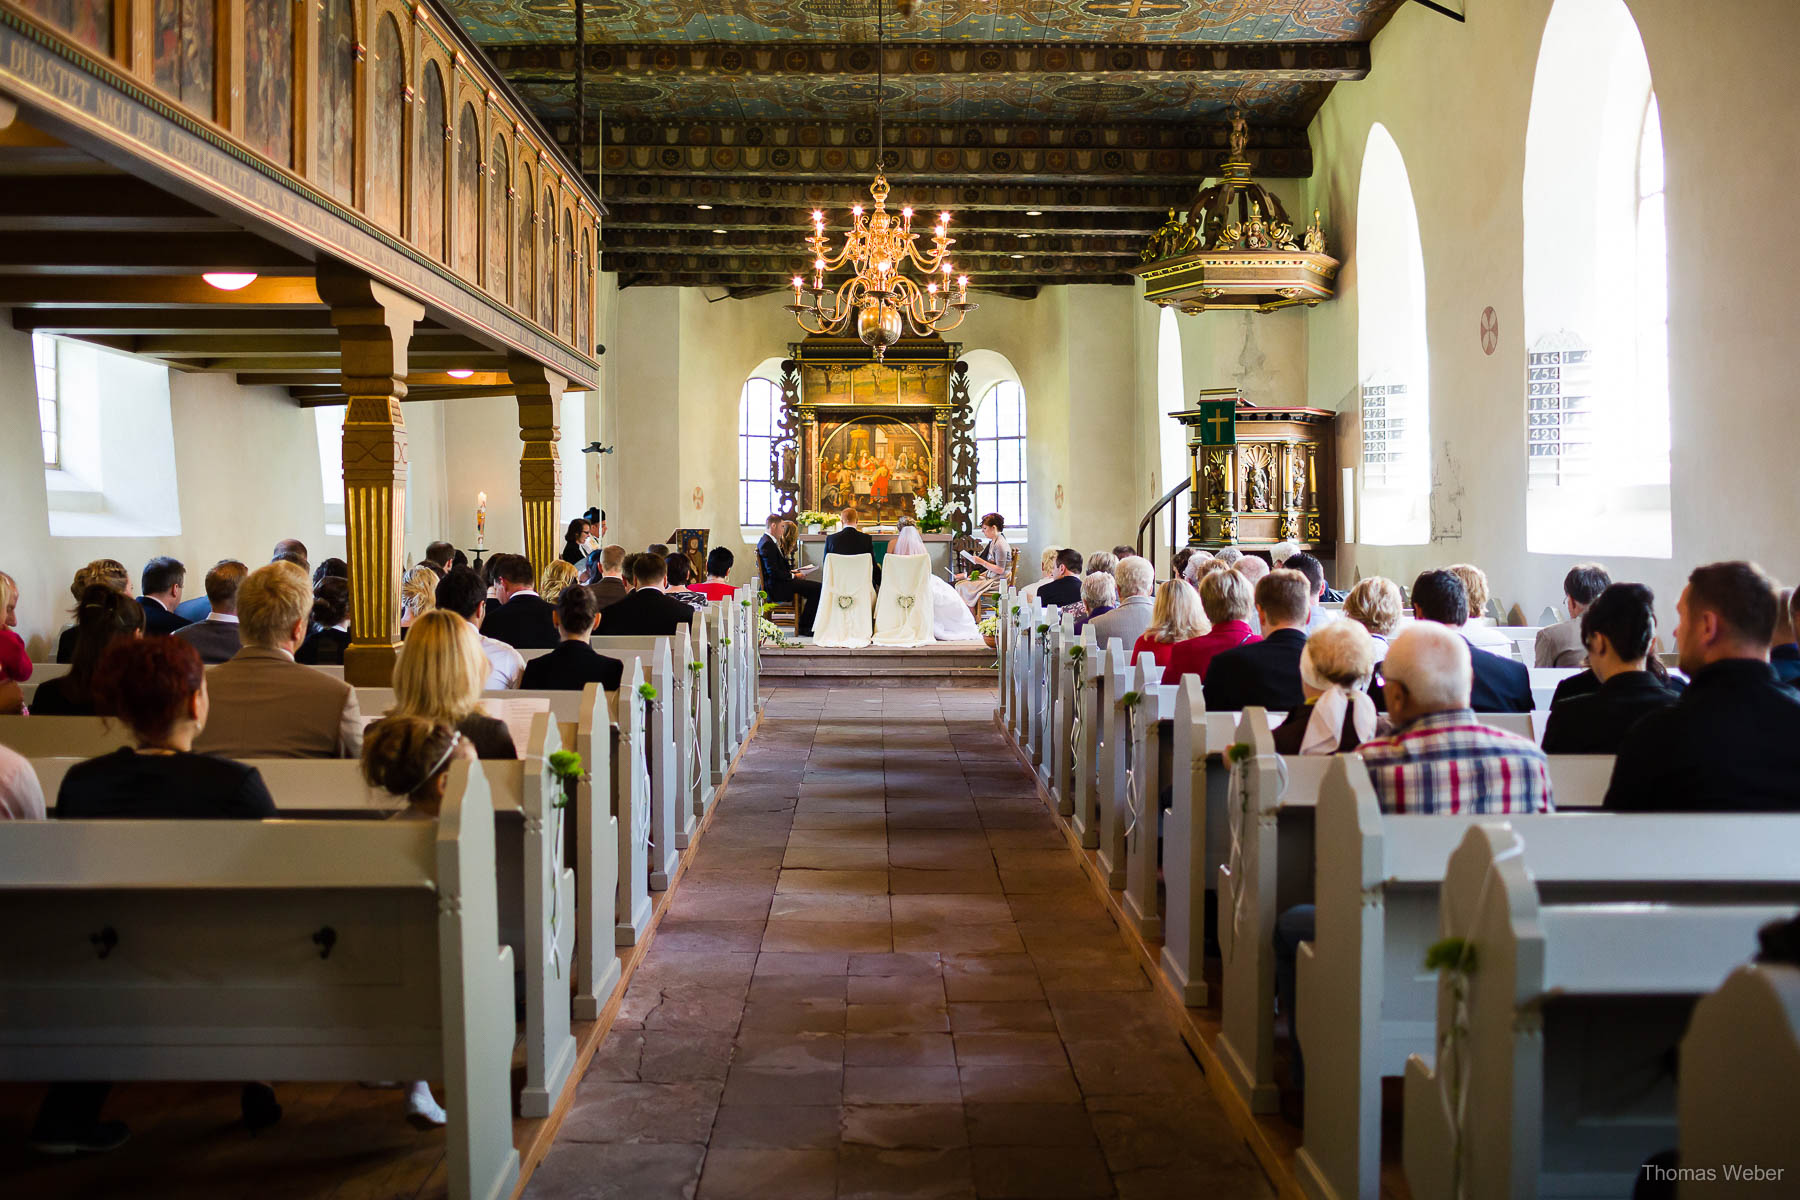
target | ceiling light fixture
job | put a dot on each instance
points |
(878, 298)
(1015, 256)
(704, 207)
(459, 374)
(718, 231)
(1034, 212)
(230, 281)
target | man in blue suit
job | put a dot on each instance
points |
(1500, 684)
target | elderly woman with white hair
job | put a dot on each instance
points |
(1099, 596)
(1338, 715)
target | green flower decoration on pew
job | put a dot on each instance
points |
(694, 668)
(568, 768)
(1130, 699)
(1237, 752)
(1017, 610)
(1451, 954)
(1077, 652)
(1042, 629)
(647, 691)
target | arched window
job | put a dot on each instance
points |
(759, 417)
(1395, 365)
(1596, 292)
(1000, 454)
(1172, 437)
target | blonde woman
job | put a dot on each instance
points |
(1475, 582)
(1375, 604)
(1046, 571)
(440, 677)
(557, 576)
(102, 572)
(418, 594)
(1177, 618)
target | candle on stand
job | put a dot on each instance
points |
(481, 519)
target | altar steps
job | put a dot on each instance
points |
(959, 665)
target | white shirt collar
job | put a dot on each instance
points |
(223, 618)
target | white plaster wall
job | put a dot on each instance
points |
(246, 470)
(1456, 99)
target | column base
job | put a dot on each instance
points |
(370, 665)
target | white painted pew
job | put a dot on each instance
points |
(1062, 630)
(68, 737)
(720, 685)
(1544, 681)
(304, 950)
(1740, 1081)
(630, 760)
(1072, 652)
(41, 673)
(1375, 882)
(1184, 848)
(671, 816)
(1089, 737)
(1555, 1078)
(1143, 830)
(1524, 640)
(1120, 790)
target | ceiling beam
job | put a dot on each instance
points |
(305, 380)
(309, 397)
(183, 290)
(855, 130)
(299, 364)
(772, 282)
(790, 244)
(292, 343)
(75, 322)
(673, 219)
(751, 191)
(1323, 62)
(125, 204)
(65, 253)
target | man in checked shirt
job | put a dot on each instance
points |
(1439, 759)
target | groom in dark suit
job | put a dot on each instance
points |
(850, 540)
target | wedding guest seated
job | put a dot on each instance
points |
(610, 587)
(102, 618)
(1784, 655)
(1731, 743)
(660, 549)
(291, 550)
(719, 562)
(1618, 629)
(780, 577)
(1500, 684)
(1375, 604)
(1229, 555)
(1099, 561)
(1487, 637)
(1176, 618)
(648, 611)
(1123, 552)
(1197, 564)
(1099, 596)
(1281, 551)
(1439, 760)
(463, 593)
(679, 572)
(1559, 645)
(1317, 617)
(1064, 586)
(1253, 569)
(418, 594)
(991, 565)
(522, 619)
(331, 568)
(104, 572)
(557, 576)
(573, 537)
(1126, 623)
(330, 637)
(266, 705)
(15, 663)
(440, 678)
(216, 636)
(1177, 565)
(574, 663)
(12, 699)
(21, 796)
(439, 556)
(1338, 715)
(157, 687)
(1226, 598)
(1046, 572)
(1266, 673)
(162, 583)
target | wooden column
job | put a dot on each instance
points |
(374, 325)
(540, 469)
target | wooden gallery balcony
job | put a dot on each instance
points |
(402, 214)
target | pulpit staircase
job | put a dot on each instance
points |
(1147, 540)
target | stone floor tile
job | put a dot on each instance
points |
(828, 906)
(688, 1055)
(592, 1171)
(897, 1018)
(965, 986)
(735, 904)
(1029, 1125)
(1039, 1172)
(1240, 1182)
(900, 1050)
(846, 883)
(1134, 1067)
(816, 963)
(1041, 879)
(737, 1173)
(965, 939)
(918, 962)
(952, 909)
(856, 836)
(816, 819)
(895, 1126)
(779, 1050)
(794, 1016)
(1019, 1083)
(881, 1173)
(835, 858)
(607, 1111)
(1002, 1016)
(811, 1085)
(913, 881)
(859, 937)
(778, 1126)
(709, 935)
(897, 989)
(1145, 1132)
(901, 1085)
(989, 1048)
(770, 989)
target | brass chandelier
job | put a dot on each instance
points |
(879, 297)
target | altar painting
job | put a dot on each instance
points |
(874, 464)
(869, 383)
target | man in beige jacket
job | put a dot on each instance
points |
(266, 705)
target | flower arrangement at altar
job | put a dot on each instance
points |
(929, 510)
(818, 522)
(771, 635)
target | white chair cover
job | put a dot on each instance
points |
(903, 610)
(847, 606)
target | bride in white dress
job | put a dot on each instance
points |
(951, 620)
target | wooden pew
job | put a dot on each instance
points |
(1555, 1072)
(720, 703)
(1089, 738)
(70, 737)
(1740, 1082)
(630, 789)
(1375, 882)
(671, 815)
(1153, 713)
(1544, 681)
(304, 950)
(1184, 848)
(1072, 655)
(1116, 758)
(1062, 628)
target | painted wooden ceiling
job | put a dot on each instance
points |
(1098, 114)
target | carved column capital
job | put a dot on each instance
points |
(539, 392)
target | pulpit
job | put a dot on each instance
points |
(1259, 475)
